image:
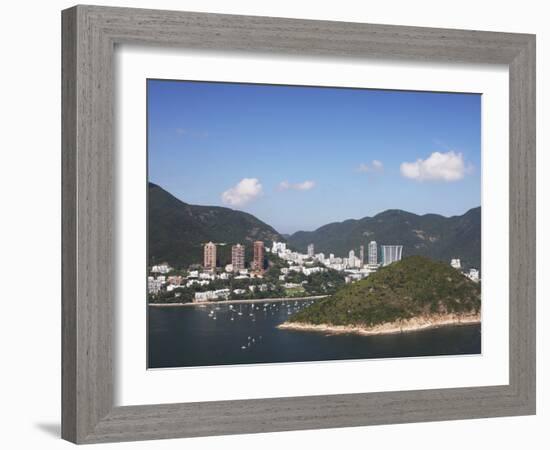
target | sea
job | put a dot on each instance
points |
(227, 334)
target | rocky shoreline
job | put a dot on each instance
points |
(400, 326)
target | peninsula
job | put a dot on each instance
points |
(413, 294)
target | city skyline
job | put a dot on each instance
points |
(277, 151)
(388, 254)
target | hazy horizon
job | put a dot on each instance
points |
(299, 158)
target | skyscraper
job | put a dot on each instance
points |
(310, 250)
(391, 253)
(351, 258)
(373, 253)
(210, 256)
(362, 254)
(237, 257)
(258, 262)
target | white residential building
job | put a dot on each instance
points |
(455, 263)
(391, 253)
(310, 270)
(222, 293)
(473, 275)
(351, 258)
(200, 283)
(154, 285)
(278, 247)
(161, 268)
(204, 296)
(310, 250)
(207, 276)
(372, 253)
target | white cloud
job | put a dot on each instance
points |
(374, 166)
(377, 164)
(437, 167)
(303, 186)
(243, 192)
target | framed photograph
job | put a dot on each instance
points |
(268, 222)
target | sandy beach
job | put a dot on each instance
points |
(400, 326)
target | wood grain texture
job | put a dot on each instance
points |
(89, 37)
(68, 226)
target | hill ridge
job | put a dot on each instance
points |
(413, 287)
(177, 230)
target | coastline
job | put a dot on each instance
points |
(227, 302)
(399, 326)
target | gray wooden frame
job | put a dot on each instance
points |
(89, 37)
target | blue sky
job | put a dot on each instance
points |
(301, 157)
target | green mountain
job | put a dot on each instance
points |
(177, 230)
(431, 235)
(411, 287)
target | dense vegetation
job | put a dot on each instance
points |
(177, 230)
(408, 288)
(430, 235)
